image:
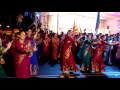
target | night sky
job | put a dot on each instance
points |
(8, 18)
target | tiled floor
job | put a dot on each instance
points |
(112, 72)
(46, 71)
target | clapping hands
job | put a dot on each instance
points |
(99, 42)
(9, 44)
(29, 44)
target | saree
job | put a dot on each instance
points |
(2, 72)
(22, 59)
(55, 45)
(97, 58)
(118, 52)
(67, 60)
(85, 55)
(34, 68)
(46, 47)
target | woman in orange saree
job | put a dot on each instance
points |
(67, 55)
(55, 45)
(62, 39)
(22, 56)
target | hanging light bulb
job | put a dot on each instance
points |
(7, 26)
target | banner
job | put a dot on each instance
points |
(97, 23)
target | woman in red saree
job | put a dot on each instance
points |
(22, 56)
(9, 58)
(55, 45)
(62, 39)
(97, 58)
(67, 55)
(46, 47)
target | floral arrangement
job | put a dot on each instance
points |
(1, 54)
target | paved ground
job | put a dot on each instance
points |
(46, 71)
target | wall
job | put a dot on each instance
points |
(112, 26)
(102, 27)
(66, 21)
(52, 23)
(118, 26)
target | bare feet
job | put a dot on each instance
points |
(66, 72)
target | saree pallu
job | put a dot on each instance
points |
(34, 68)
(22, 66)
(74, 51)
(39, 51)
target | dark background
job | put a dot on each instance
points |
(9, 18)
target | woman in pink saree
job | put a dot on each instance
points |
(22, 56)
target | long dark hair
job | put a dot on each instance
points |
(103, 36)
(69, 31)
(20, 32)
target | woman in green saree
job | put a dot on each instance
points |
(2, 51)
(85, 54)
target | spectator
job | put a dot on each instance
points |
(19, 21)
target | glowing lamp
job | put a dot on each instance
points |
(16, 30)
(8, 32)
(7, 26)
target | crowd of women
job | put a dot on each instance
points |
(23, 52)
